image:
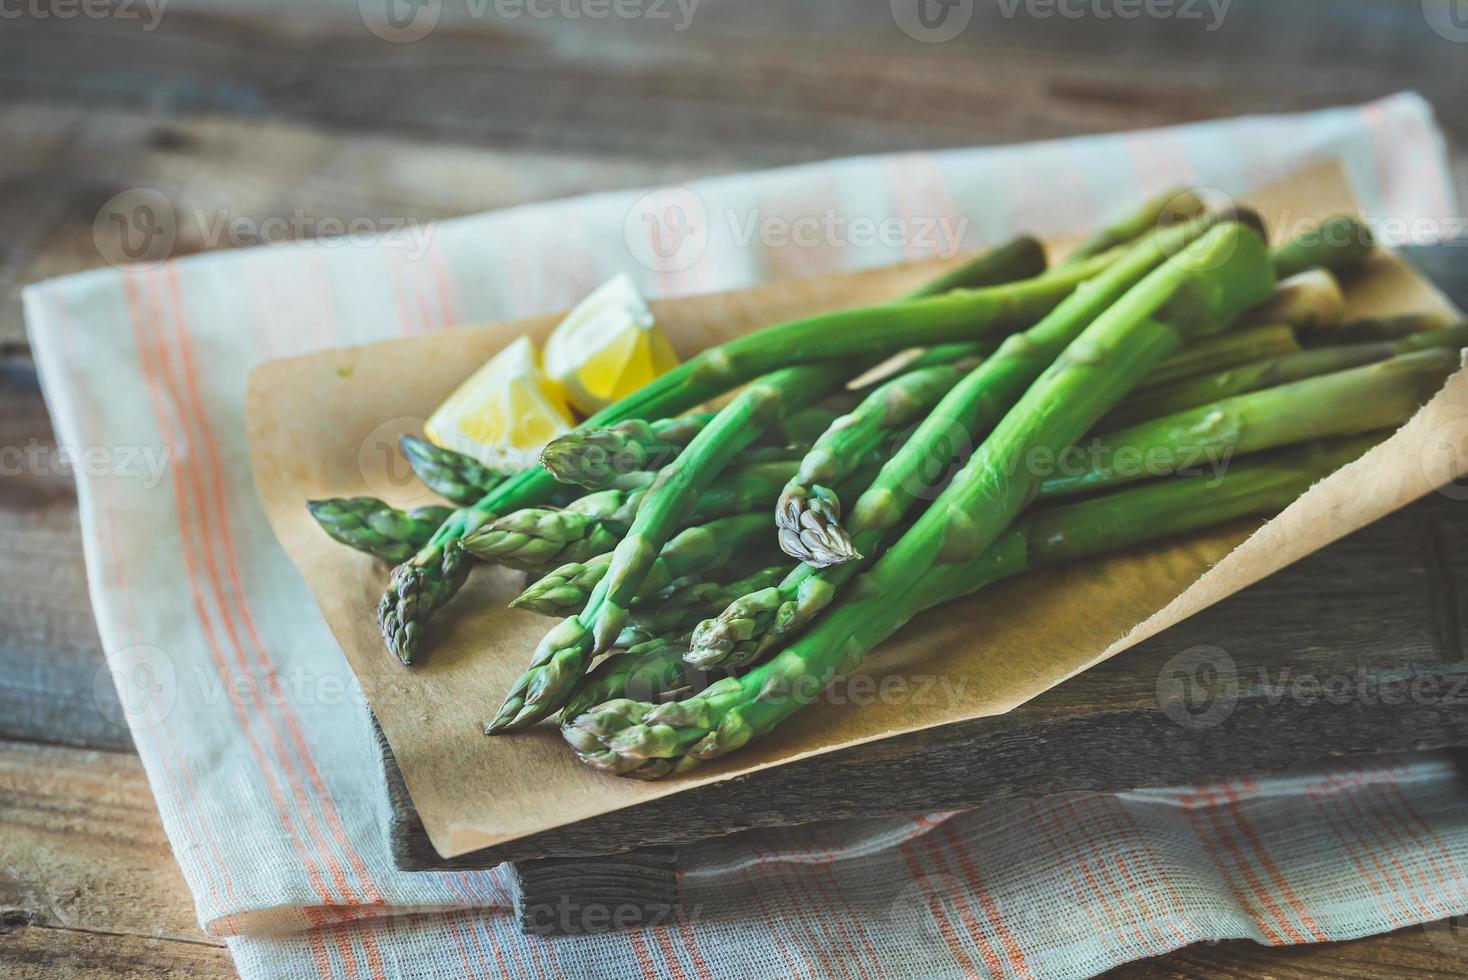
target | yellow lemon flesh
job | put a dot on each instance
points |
(607, 347)
(505, 413)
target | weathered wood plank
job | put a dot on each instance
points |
(489, 112)
(226, 177)
(748, 81)
(49, 650)
(585, 896)
(38, 953)
(82, 848)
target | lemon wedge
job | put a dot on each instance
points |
(505, 413)
(607, 347)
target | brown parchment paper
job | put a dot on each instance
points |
(325, 425)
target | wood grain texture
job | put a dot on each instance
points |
(260, 117)
(586, 896)
(88, 884)
(50, 654)
(33, 953)
(744, 82)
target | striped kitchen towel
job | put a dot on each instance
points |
(256, 740)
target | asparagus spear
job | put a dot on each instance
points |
(1341, 244)
(1225, 350)
(1360, 399)
(624, 735)
(534, 539)
(808, 513)
(370, 525)
(684, 606)
(432, 576)
(972, 406)
(1376, 328)
(539, 538)
(561, 658)
(1172, 206)
(701, 550)
(1018, 259)
(1192, 392)
(452, 475)
(646, 671)
(599, 458)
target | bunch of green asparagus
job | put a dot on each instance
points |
(713, 570)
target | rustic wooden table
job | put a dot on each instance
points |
(258, 116)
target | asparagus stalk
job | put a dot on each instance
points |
(452, 475)
(1172, 206)
(600, 458)
(379, 529)
(699, 550)
(431, 577)
(739, 490)
(1225, 350)
(1015, 260)
(534, 539)
(1342, 244)
(624, 735)
(646, 671)
(1372, 329)
(593, 458)
(686, 605)
(562, 657)
(1309, 363)
(808, 513)
(1356, 400)
(972, 406)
